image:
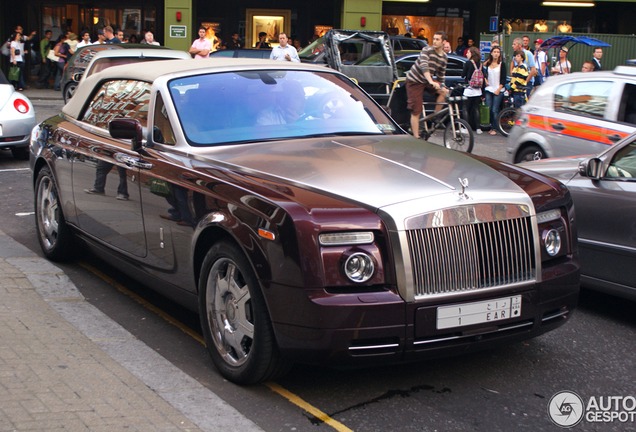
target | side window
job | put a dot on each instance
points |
(403, 66)
(162, 131)
(119, 99)
(587, 98)
(623, 164)
(454, 67)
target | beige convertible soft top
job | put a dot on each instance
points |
(176, 68)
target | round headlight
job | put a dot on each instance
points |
(552, 242)
(359, 267)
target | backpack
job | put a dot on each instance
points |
(477, 78)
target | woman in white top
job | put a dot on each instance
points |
(86, 39)
(495, 75)
(16, 58)
(563, 66)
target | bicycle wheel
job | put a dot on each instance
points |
(506, 120)
(463, 137)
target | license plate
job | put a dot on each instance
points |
(479, 312)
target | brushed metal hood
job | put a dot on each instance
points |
(562, 169)
(387, 174)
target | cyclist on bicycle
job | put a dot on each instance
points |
(431, 63)
(519, 79)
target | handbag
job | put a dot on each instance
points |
(5, 49)
(14, 73)
(51, 56)
(484, 114)
(160, 187)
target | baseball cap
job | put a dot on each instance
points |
(539, 41)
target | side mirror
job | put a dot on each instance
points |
(591, 168)
(131, 129)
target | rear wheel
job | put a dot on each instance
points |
(461, 138)
(506, 120)
(53, 233)
(527, 154)
(234, 318)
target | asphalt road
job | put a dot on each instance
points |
(506, 389)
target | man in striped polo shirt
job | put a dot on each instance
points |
(431, 63)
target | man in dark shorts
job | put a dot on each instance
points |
(431, 63)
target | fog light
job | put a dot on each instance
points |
(359, 267)
(552, 242)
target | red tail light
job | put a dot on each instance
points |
(21, 106)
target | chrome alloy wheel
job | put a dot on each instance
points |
(229, 312)
(47, 212)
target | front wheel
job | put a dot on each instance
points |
(461, 137)
(53, 233)
(506, 120)
(236, 325)
(69, 91)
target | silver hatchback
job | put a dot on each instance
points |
(576, 114)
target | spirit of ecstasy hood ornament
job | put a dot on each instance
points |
(464, 183)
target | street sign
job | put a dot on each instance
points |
(178, 31)
(493, 24)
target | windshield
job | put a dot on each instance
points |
(271, 105)
(312, 50)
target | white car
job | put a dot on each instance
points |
(576, 114)
(17, 119)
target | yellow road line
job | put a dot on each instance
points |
(307, 407)
(273, 386)
(144, 303)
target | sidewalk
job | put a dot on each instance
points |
(34, 93)
(66, 366)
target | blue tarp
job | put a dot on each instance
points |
(560, 41)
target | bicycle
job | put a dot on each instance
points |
(458, 134)
(508, 115)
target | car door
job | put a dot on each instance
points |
(605, 213)
(106, 171)
(584, 121)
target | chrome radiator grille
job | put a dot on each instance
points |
(473, 256)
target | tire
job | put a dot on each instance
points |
(506, 120)
(527, 153)
(236, 325)
(69, 91)
(462, 139)
(21, 153)
(54, 235)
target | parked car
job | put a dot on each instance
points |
(243, 53)
(282, 203)
(17, 119)
(81, 58)
(603, 188)
(405, 59)
(576, 114)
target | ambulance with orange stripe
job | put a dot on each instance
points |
(576, 114)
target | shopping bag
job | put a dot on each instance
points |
(484, 114)
(14, 73)
(51, 56)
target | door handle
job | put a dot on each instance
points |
(558, 126)
(614, 138)
(132, 161)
